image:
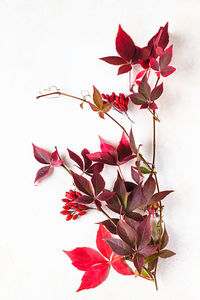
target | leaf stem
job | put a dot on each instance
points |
(63, 165)
(103, 211)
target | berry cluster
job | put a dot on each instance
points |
(72, 210)
(119, 102)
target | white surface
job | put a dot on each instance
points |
(59, 42)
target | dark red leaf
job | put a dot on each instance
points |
(110, 226)
(84, 199)
(167, 71)
(106, 195)
(165, 58)
(148, 250)
(102, 246)
(124, 69)
(127, 233)
(123, 148)
(138, 262)
(149, 188)
(87, 161)
(82, 184)
(41, 155)
(166, 253)
(97, 166)
(130, 186)
(114, 205)
(154, 64)
(114, 60)
(134, 199)
(120, 190)
(76, 158)
(97, 182)
(41, 173)
(124, 45)
(157, 92)
(153, 106)
(119, 247)
(144, 88)
(94, 276)
(144, 233)
(138, 99)
(103, 157)
(120, 266)
(83, 258)
(159, 196)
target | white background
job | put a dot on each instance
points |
(58, 42)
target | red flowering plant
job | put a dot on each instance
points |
(126, 239)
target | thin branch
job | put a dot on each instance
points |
(103, 211)
(63, 165)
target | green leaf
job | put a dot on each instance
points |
(145, 170)
(150, 258)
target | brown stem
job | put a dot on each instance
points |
(103, 211)
(63, 165)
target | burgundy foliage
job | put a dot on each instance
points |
(128, 205)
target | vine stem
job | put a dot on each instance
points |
(63, 165)
(103, 211)
(107, 114)
(156, 179)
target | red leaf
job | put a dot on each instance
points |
(157, 92)
(120, 266)
(132, 142)
(144, 233)
(127, 233)
(55, 161)
(82, 184)
(114, 60)
(159, 196)
(165, 58)
(106, 147)
(98, 166)
(83, 258)
(138, 262)
(94, 276)
(41, 155)
(154, 64)
(149, 188)
(164, 239)
(123, 148)
(124, 45)
(119, 247)
(138, 99)
(124, 69)
(148, 250)
(42, 172)
(140, 74)
(102, 246)
(97, 182)
(93, 107)
(76, 158)
(144, 87)
(167, 71)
